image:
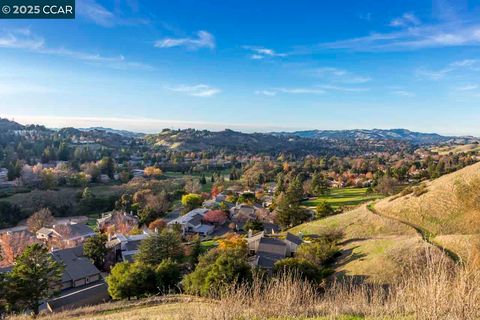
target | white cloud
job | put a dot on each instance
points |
(339, 75)
(342, 89)
(259, 53)
(25, 39)
(413, 37)
(204, 40)
(266, 92)
(406, 20)
(302, 90)
(403, 93)
(95, 12)
(467, 64)
(468, 87)
(199, 90)
(20, 39)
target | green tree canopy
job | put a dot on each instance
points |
(35, 277)
(160, 246)
(95, 248)
(191, 201)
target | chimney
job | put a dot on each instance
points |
(250, 233)
(156, 230)
(109, 237)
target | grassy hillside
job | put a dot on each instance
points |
(373, 247)
(438, 210)
(341, 197)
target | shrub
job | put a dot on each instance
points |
(216, 270)
(324, 209)
(299, 267)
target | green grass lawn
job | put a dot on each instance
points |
(341, 197)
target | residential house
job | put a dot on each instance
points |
(192, 223)
(82, 283)
(266, 250)
(65, 235)
(126, 247)
(117, 220)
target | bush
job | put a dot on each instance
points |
(302, 268)
(191, 201)
(324, 209)
(216, 270)
(319, 251)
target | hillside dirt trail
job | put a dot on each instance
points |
(424, 234)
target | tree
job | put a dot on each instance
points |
(247, 198)
(319, 251)
(254, 225)
(192, 186)
(295, 190)
(13, 244)
(203, 180)
(215, 217)
(40, 219)
(152, 172)
(387, 185)
(299, 268)
(107, 166)
(95, 248)
(323, 209)
(216, 270)
(158, 224)
(161, 246)
(191, 201)
(288, 213)
(35, 277)
(10, 214)
(128, 280)
(168, 275)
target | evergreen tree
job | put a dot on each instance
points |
(95, 248)
(34, 277)
(161, 246)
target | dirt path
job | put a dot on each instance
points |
(425, 234)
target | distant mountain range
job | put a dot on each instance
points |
(336, 142)
(375, 134)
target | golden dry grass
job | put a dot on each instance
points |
(433, 289)
(438, 210)
(359, 223)
(372, 245)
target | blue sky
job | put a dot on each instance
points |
(248, 65)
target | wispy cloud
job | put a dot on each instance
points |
(468, 87)
(204, 40)
(95, 12)
(20, 39)
(259, 53)
(412, 36)
(406, 20)
(266, 92)
(467, 64)
(25, 39)
(339, 75)
(199, 90)
(318, 89)
(403, 93)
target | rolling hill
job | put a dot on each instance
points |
(417, 138)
